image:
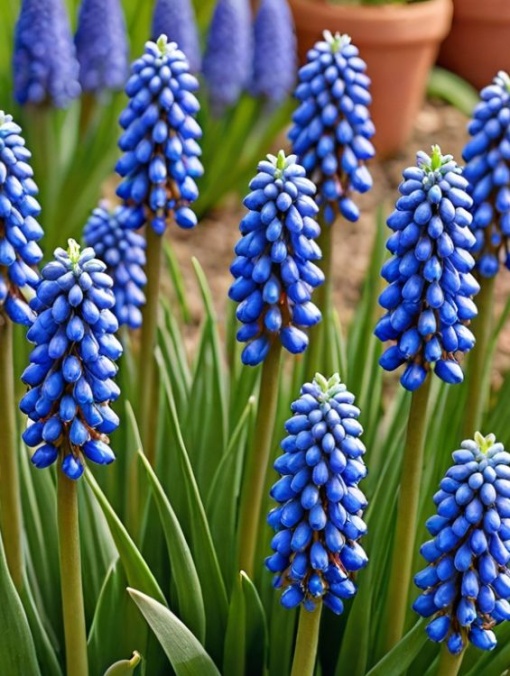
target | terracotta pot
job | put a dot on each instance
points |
(478, 45)
(399, 44)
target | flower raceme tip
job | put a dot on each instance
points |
(161, 154)
(123, 251)
(19, 230)
(428, 301)
(319, 522)
(273, 269)
(466, 584)
(332, 127)
(487, 157)
(72, 365)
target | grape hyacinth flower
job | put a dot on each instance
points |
(160, 161)
(72, 367)
(45, 68)
(487, 157)
(102, 45)
(274, 43)
(274, 273)
(466, 584)
(227, 63)
(123, 251)
(428, 301)
(19, 229)
(176, 19)
(332, 125)
(319, 521)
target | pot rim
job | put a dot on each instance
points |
(387, 24)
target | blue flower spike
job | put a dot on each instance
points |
(332, 125)
(274, 43)
(466, 584)
(228, 58)
(487, 157)
(19, 230)
(45, 69)
(161, 153)
(102, 46)
(72, 365)
(273, 269)
(123, 251)
(176, 19)
(319, 519)
(428, 301)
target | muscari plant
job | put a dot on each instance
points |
(171, 540)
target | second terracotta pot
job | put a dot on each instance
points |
(478, 45)
(399, 44)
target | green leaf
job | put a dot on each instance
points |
(193, 517)
(186, 654)
(184, 574)
(443, 84)
(44, 648)
(400, 657)
(137, 570)
(124, 667)
(117, 628)
(177, 281)
(17, 650)
(246, 638)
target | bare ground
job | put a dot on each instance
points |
(213, 241)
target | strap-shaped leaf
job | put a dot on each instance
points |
(185, 652)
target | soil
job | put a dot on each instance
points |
(213, 241)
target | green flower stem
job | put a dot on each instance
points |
(407, 512)
(70, 576)
(449, 665)
(147, 375)
(478, 371)
(258, 460)
(305, 652)
(323, 298)
(10, 502)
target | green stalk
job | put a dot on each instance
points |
(70, 576)
(407, 513)
(478, 371)
(258, 460)
(323, 298)
(10, 501)
(449, 665)
(305, 652)
(147, 375)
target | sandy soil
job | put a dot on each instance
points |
(212, 242)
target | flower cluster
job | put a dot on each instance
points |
(467, 582)
(160, 161)
(19, 229)
(319, 520)
(487, 156)
(101, 45)
(227, 64)
(274, 57)
(428, 300)
(45, 69)
(274, 272)
(332, 126)
(123, 251)
(176, 20)
(72, 366)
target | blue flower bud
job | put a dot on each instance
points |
(66, 382)
(428, 300)
(44, 65)
(321, 513)
(273, 274)
(469, 587)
